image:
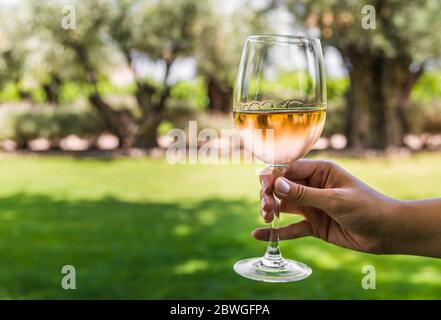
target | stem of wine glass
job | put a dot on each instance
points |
(273, 257)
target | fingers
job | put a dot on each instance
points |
(290, 207)
(267, 178)
(305, 169)
(310, 172)
(268, 207)
(303, 174)
(303, 195)
(292, 231)
(318, 174)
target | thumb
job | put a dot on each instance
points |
(302, 195)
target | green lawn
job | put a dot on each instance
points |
(145, 229)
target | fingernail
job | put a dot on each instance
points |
(282, 185)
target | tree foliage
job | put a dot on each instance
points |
(112, 33)
(384, 63)
(219, 44)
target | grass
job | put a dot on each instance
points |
(144, 229)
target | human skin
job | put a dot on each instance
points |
(340, 209)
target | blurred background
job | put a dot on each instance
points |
(89, 90)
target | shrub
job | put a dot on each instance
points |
(22, 123)
(336, 88)
(335, 117)
(190, 93)
(424, 117)
(427, 88)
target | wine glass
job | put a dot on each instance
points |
(279, 109)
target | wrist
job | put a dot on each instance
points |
(408, 229)
(392, 224)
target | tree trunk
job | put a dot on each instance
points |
(148, 132)
(219, 97)
(26, 96)
(152, 112)
(378, 93)
(120, 123)
(52, 89)
(152, 116)
(365, 122)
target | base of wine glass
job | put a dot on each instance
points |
(285, 271)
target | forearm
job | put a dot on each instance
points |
(416, 228)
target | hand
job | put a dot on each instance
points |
(337, 207)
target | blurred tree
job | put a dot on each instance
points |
(219, 45)
(160, 32)
(84, 48)
(126, 31)
(13, 53)
(50, 64)
(384, 63)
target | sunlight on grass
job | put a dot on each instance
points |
(207, 218)
(191, 266)
(142, 228)
(321, 258)
(182, 230)
(8, 215)
(429, 275)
